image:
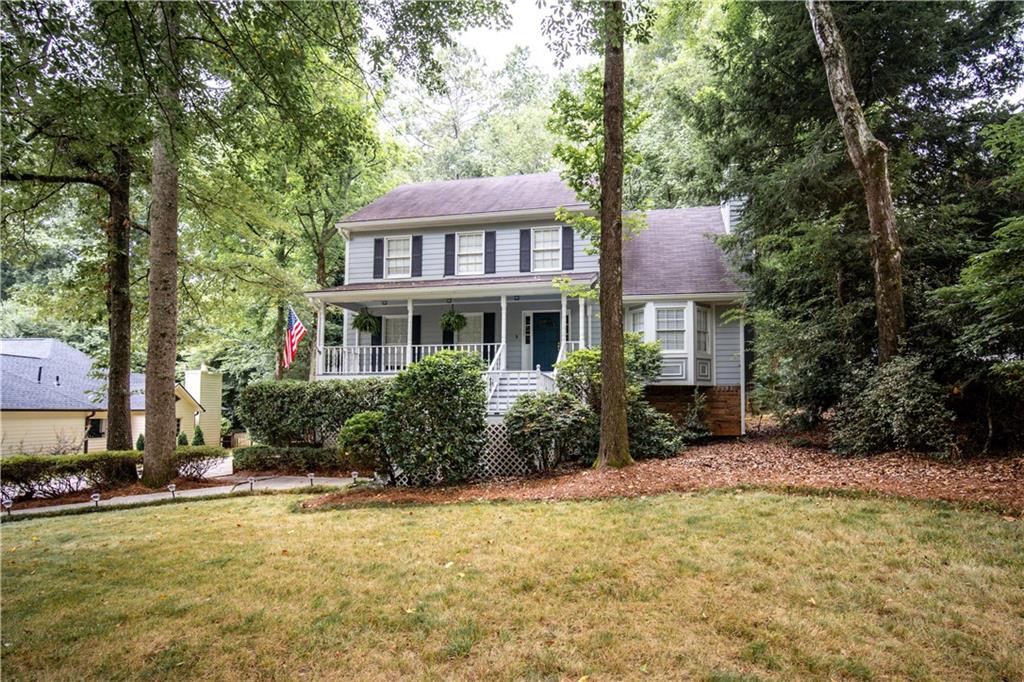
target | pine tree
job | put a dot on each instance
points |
(197, 436)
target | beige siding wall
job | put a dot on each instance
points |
(41, 432)
(206, 387)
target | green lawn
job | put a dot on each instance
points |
(722, 586)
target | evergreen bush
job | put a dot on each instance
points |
(896, 406)
(140, 442)
(295, 460)
(434, 425)
(362, 443)
(546, 429)
(182, 438)
(197, 436)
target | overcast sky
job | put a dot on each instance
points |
(493, 45)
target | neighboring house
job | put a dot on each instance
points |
(491, 248)
(51, 402)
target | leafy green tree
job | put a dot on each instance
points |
(752, 90)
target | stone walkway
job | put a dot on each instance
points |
(230, 486)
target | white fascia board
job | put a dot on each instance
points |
(420, 293)
(485, 218)
(724, 297)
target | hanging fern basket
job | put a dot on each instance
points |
(452, 321)
(366, 323)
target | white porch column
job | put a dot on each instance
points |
(563, 327)
(408, 332)
(321, 315)
(583, 322)
(504, 332)
(344, 341)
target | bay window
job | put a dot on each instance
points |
(670, 328)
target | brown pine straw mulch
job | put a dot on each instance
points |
(769, 461)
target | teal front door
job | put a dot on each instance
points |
(545, 340)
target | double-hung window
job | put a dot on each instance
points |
(398, 257)
(635, 320)
(547, 248)
(469, 249)
(670, 328)
(473, 332)
(702, 328)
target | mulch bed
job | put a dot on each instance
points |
(120, 491)
(763, 461)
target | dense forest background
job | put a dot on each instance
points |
(727, 98)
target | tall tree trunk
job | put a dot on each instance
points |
(321, 281)
(871, 159)
(119, 306)
(279, 339)
(163, 275)
(614, 447)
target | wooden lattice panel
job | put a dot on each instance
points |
(500, 458)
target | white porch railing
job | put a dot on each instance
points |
(341, 360)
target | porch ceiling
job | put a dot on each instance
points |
(456, 288)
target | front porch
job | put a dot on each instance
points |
(511, 333)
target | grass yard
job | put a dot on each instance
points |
(714, 585)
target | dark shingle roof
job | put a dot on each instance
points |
(23, 387)
(472, 195)
(675, 254)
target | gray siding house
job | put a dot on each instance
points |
(492, 249)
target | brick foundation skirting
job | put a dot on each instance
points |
(723, 405)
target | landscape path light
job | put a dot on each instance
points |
(172, 488)
(252, 480)
(310, 475)
(8, 503)
(95, 497)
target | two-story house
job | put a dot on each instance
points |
(491, 249)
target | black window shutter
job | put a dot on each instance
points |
(417, 255)
(449, 254)
(489, 319)
(378, 258)
(377, 353)
(524, 250)
(567, 248)
(417, 332)
(447, 337)
(490, 251)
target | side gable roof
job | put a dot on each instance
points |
(50, 375)
(469, 196)
(676, 254)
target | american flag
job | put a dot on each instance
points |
(292, 335)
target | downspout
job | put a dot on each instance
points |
(85, 441)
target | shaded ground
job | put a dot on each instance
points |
(766, 460)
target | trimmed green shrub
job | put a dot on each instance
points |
(895, 406)
(27, 476)
(652, 433)
(140, 442)
(182, 438)
(579, 374)
(305, 413)
(195, 461)
(197, 436)
(546, 429)
(435, 418)
(362, 442)
(297, 460)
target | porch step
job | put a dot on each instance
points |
(508, 386)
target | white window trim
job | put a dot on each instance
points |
(683, 308)
(387, 249)
(483, 252)
(383, 330)
(467, 316)
(707, 331)
(533, 249)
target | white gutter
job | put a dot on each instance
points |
(725, 295)
(460, 219)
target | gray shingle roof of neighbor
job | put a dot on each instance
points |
(48, 374)
(676, 254)
(471, 195)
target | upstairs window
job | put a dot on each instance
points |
(702, 327)
(398, 257)
(670, 328)
(547, 249)
(469, 249)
